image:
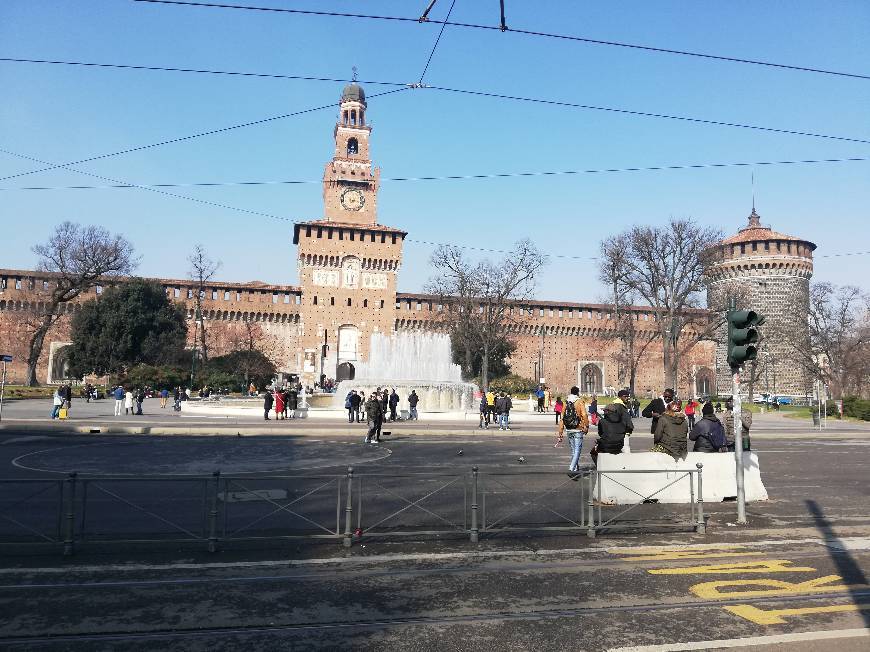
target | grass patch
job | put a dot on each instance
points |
(23, 391)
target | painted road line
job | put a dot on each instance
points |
(749, 641)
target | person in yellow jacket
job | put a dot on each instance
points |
(574, 424)
(490, 407)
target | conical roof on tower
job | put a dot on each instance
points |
(755, 231)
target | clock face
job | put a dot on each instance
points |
(352, 199)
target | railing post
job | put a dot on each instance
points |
(701, 528)
(69, 530)
(213, 512)
(348, 510)
(474, 529)
(590, 522)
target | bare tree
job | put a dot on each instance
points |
(79, 257)
(665, 268)
(839, 337)
(480, 295)
(202, 269)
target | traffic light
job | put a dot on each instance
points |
(742, 336)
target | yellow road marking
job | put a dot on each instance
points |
(665, 554)
(778, 616)
(710, 590)
(762, 566)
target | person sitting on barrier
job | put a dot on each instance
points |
(613, 426)
(575, 424)
(708, 433)
(671, 431)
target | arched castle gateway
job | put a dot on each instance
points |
(348, 266)
(770, 273)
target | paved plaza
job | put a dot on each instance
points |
(773, 584)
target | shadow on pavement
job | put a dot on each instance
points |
(848, 568)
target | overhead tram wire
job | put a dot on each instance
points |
(291, 221)
(437, 40)
(459, 177)
(202, 71)
(405, 86)
(180, 139)
(525, 32)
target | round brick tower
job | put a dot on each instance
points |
(768, 272)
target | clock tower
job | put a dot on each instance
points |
(350, 185)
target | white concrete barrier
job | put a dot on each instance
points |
(719, 477)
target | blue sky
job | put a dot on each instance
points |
(62, 113)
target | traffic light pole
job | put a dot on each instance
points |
(737, 414)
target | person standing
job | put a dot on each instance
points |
(385, 401)
(670, 434)
(689, 411)
(118, 393)
(394, 403)
(292, 402)
(547, 399)
(557, 408)
(279, 404)
(57, 403)
(501, 410)
(540, 396)
(285, 394)
(413, 399)
(128, 402)
(613, 427)
(709, 433)
(574, 424)
(657, 407)
(593, 410)
(164, 395)
(361, 412)
(484, 413)
(267, 404)
(353, 410)
(745, 425)
(140, 398)
(375, 412)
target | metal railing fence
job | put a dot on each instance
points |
(215, 509)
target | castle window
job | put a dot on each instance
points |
(383, 237)
(560, 313)
(99, 289)
(298, 300)
(420, 306)
(226, 295)
(788, 245)
(341, 234)
(30, 283)
(353, 117)
(18, 284)
(286, 298)
(541, 312)
(319, 232)
(214, 295)
(274, 298)
(382, 303)
(331, 301)
(754, 246)
(176, 292)
(315, 301)
(238, 296)
(352, 146)
(767, 246)
(307, 231)
(190, 294)
(394, 238)
(329, 234)
(45, 285)
(365, 303)
(440, 307)
(3, 283)
(742, 248)
(373, 236)
(348, 302)
(344, 117)
(351, 236)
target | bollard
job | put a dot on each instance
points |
(590, 522)
(348, 510)
(474, 529)
(701, 528)
(212, 515)
(69, 534)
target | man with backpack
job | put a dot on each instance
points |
(574, 424)
(375, 411)
(503, 405)
(709, 433)
(613, 426)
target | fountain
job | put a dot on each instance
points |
(420, 361)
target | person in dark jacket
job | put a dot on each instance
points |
(292, 402)
(353, 401)
(615, 423)
(413, 399)
(707, 430)
(140, 399)
(394, 403)
(285, 395)
(375, 412)
(657, 407)
(484, 413)
(671, 431)
(268, 399)
(385, 402)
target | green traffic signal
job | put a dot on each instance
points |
(742, 336)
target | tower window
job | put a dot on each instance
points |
(352, 146)
(365, 303)
(315, 301)
(348, 302)
(331, 301)
(353, 117)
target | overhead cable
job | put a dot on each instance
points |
(503, 28)
(457, 177)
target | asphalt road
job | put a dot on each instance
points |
(777, 577)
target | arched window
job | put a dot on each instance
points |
(352, 146)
